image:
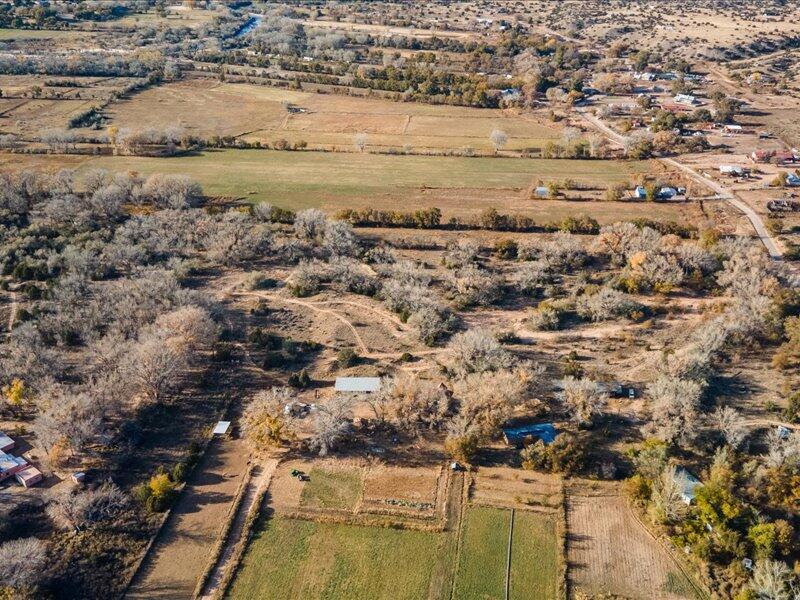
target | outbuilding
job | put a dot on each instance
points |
(29, 476)
(6, 443)
(10, 465)
(357, 385)
(522, 435)
(688, 484)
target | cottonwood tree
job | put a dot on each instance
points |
(332, 424)
(674, 409)
(476, 351)
(731, 426)
(414, 405)
(772, 580)
(265, 424)
(783, 452)
(488, 399)
(584, 399)
(79, 509)
(171, 191)
(22, 562)
(189, 327)
(667, 505)
(73, 418)
(154, 367)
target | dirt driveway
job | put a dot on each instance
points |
(182, 550)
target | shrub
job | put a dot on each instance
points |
(347, 357)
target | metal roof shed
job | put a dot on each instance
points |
(517, 436)
(6, 443)
(357, 384)
(688, 483)
(221, 428)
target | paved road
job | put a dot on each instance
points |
(722, 192)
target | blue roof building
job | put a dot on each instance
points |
(640, 192)
(517, 436)
(688, 484)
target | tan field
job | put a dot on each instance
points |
(205, 108)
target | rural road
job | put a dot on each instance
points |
(722, 192)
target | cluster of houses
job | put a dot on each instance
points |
(780, 157)
(16, 466)
(663, 193)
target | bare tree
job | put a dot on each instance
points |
(731, 425)
(73, 418)
(77, 510)
(772, 580)
(477, 351)
(22, 562)
(360, 141)
(499, 139)
(667, 502)
(584, 399)
(154, 367)
(674, 409)
(332, 424)
(415, 405)
(487, 399)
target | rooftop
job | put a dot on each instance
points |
(357, 384)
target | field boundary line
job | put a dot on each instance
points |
(508, 552)
(459, 533)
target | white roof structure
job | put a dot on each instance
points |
(6, 443)
(688, 483)
(222, 428)
(357, 384)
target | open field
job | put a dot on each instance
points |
(205, 107)
(482, 555)
(534, 557)
(332, 181)
(36, 34)
(337, 489)
(599, 562)
(300, 559)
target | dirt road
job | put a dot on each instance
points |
(721, 191)
(256, 485)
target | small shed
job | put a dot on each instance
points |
(357, 385)
(6, 443)
(521, 434)
(221, 428)
(640, 192)
(688, 484)
(29, 476)
(78, 478)
(792, 179)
